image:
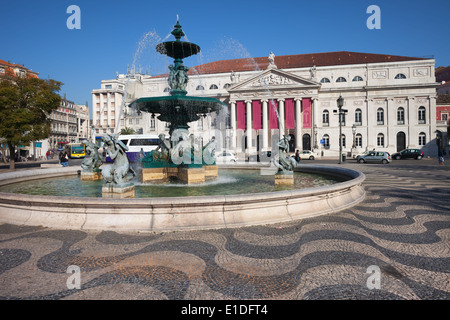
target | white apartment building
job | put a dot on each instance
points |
(390, 102)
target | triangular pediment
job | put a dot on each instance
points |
(273, 79)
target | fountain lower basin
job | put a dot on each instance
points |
(177, 213)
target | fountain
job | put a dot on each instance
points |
(111, 197)
(179, 158)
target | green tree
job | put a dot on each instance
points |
(25, 107)
(127, 130)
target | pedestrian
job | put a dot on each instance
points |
(65, 159)
(47, 154)
(142, 154)
(297, 156)
(441, 157)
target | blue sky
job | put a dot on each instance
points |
(114, 34)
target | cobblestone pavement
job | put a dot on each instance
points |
(402, 229)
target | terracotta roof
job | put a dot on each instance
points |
(15, 65)
(296, 61)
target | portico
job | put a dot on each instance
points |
(269, 105)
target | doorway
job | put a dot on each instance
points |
(306, 142)
(401, 141)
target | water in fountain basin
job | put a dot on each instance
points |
(229, 182)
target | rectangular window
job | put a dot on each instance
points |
(444, 116)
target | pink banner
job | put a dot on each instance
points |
(240, 115)
(306, 108)
(256, 106)
(273, 118)
(290, 113)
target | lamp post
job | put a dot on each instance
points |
(354, 138)
(315, 137)
(340, 112)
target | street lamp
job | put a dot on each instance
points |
(354, 138)
(340, 112)
(315, 137)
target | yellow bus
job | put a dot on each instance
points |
(75, 150)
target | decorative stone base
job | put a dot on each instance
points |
(91, 176)
(191, 175)
(184, 174)
(119, 192)
(153, 175)
(284, 179)
(211, 172)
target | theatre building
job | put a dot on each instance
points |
(390, 102)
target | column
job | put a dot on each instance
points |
(282, 118)
(411, 122)
(298, 124)
(315, 122)
(249, 129)
(265, 126)
(371, 113)
(233, 125)
(391, 119)
(108, 110)
(101, 116)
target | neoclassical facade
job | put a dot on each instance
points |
(390, 102)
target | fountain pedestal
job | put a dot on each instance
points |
(185, 174)
(118, 191)
(284, 178)
(91, 175)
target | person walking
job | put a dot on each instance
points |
(297, 156)
(441, 157)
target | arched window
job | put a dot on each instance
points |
(213, 87)
(358, 140)
(325, 80)
(200, 87)
(341, 79)
(358, 117)
(325, 118)
(326, 141)
(357, 78)
(400, 115)
(422, 139)
(421, 115)
(380, 140)
(380, 116)
(226, 85)
(400, 76)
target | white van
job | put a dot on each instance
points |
(136, 142)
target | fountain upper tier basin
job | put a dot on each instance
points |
(178, 49)
(177, 213)
(169, 106)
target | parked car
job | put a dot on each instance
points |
(225, 157)
(408, 154)
(375, 157)
(307, 155)
(355, 156)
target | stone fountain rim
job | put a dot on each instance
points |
(356, 177)
(176, 213)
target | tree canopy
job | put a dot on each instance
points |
(25, 107)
